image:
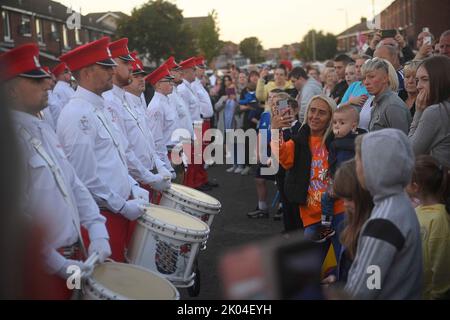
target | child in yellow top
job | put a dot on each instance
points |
(431, 185)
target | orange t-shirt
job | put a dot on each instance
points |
(311, 212)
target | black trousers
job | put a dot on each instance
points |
(291, 213)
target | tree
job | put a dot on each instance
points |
(156, 29)
(325, 46)
(208, 37)
(251, 48)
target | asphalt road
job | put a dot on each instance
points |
(231, 227)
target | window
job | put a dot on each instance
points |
(39, 33)
(25, 26)
(54, 31)
(77, 36)
(65, 37)
(6, 26)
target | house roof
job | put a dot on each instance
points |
(51, 10)
(99, 16)
(360, 27)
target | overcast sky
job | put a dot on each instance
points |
(274, 22)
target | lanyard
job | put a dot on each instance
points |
(128, 108)
(108, 129)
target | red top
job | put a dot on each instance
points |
(59, 69)
(189, 63)
(158, 74)
(119, 48)
(16, 61)
(87, 54)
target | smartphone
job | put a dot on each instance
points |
(282, 105)
(427, 40)
(391, 33)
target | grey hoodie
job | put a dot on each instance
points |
(390, 239)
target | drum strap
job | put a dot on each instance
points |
(100, 116)
(59, 179)
(128, 108)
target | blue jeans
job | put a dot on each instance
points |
(312, 229)
(327, 204)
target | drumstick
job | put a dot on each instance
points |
(90, 262)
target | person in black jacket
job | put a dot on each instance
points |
(340, 63)
(289, 211)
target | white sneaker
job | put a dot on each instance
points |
(246, 171)
(239, 169)
(231, 170)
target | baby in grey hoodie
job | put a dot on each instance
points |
(388, 262)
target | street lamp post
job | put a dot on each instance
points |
(346, 16)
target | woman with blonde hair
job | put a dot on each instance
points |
(386, 109)
(305, 159)
(330, 80)
(410, 71)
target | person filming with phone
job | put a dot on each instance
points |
(425, 42)
(393, 38)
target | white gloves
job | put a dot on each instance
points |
(67, 270)
(132, 209)
(102, 247)
(161, 183)
(139, 193)
(167, 173)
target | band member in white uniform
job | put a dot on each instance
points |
(62, 89)
(53, 194)
(92, 145)
(131, 130)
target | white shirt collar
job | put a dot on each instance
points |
(160, 95)
(25, 119)
(64, 84)
(133, 98)
(119, 92)
(90, 96)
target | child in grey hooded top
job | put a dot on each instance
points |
(388, 261)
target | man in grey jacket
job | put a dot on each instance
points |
(388, 261)
(307, 88)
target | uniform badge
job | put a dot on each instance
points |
(84, 124)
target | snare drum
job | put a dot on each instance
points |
(120, 281)
(191, 201)
(167, 241)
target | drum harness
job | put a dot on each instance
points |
(100, 116)
(128, 108)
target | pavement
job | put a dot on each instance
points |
(231, 228)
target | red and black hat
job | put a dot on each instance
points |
(171, 64)
(22, 61)
(95, 52)
(138, 66)
(60, 69)
(160, 73)
(188, 63)
(200, 62)
(119, 49)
